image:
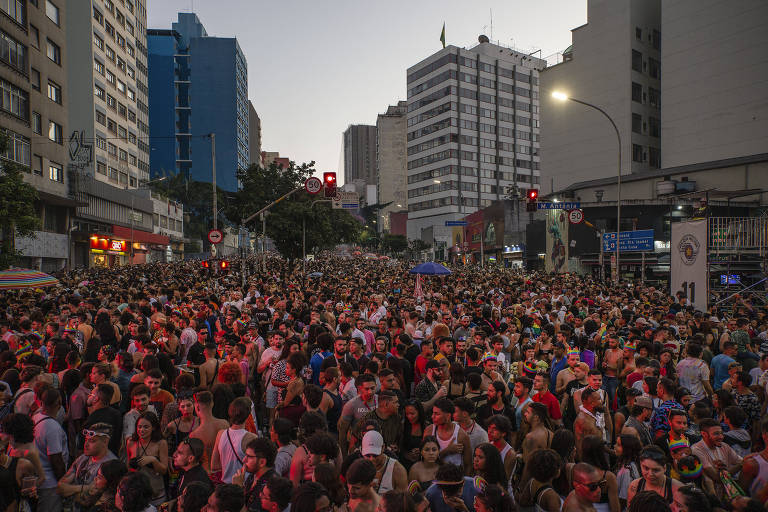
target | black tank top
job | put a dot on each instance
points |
(667, 488)
(334, 413)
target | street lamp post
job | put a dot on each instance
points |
(158, 180)
(563, 97)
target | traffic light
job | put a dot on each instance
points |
(206, 264)
(532, 197)
(329, 183)
(223, 265)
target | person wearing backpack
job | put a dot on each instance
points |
(24, 399)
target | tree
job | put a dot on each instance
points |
(395, 244)
(18, 216)
(260, 186)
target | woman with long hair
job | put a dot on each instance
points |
(134, 493)
(413, 430)
(487, 464)
(593, 452)
(653, 466)
(538, 492)
(290, 405)
(105, 484)
(424, 471)
(720, 400)
(327, 475)
(147, 452)
(457, 381)
(627, 449)
(494, 499)
(564, 444)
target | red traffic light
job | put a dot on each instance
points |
(329, 182)
(206, 264)
(223, 264)
(533, 194)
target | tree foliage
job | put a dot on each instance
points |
(260, 186)
(395, 244)
(18, 216)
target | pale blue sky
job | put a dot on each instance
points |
(317, 66)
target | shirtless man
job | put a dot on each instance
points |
(585, 491)
(567, 375)
(612, 362)
(627, 360)
(210, 368)
(591, 420)
(539, 434)
(209, 425)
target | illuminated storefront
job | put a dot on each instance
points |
(107, 252)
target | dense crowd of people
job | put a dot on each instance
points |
(328, 386)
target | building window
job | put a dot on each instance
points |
(55, 132)
(52, 11)
(637, 123)
(654, 97)
(654, 68)
(130, 50)
(37, 123)
(113, 174)
(101, 142)
(120, 40)
(98, 16)
(637, 61)
(98, 41)
(99, 92)
(109, 29)
(54, 92)
(122, 133)
(129, 27)
(111, 102)
(121, 86)
(101, 118)
(34, 36)
(14, 9)
(638, 33)
(637, 92)
(110, 78)
(656, 40)
(131, 94)
(18, 149)
(54, 52)
(123, 178)
(34, 79)
(110, 53)
(130, 72)
(134, 182)
(654, 126)
(109, 5)
(111, 126)
(123, 155)
(101, 168)
(13, 52)
(119, 17)
(55, 172)
(14, 100)
(98, 67)
(132, 159)
(112, 149)
(37, 165)
(131, 116)
(654, 157)
(121, 64)
(637, 153)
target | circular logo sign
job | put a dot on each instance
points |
(576, 216)
(313, 185)
(688, 248)
(215, 236)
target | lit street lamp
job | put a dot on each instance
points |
(561, 96)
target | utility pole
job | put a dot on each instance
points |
(213, 181)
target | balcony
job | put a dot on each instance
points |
(738, 234)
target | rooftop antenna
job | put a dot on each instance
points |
(491, 24)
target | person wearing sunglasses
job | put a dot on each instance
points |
(588, 485)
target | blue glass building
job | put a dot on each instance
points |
(197, 85)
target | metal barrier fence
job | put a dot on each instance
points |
(738, 234)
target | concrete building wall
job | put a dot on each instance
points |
(254, 135)
(715, 80)
(391, 162)
(577, 142)
(360, 153)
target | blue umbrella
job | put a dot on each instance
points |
(430, 268)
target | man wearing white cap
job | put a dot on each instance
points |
(389, 472)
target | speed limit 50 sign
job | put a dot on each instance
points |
(313, 185)
(576, 216)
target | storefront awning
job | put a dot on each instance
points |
(139, 236)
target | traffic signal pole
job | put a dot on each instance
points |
(263, 213)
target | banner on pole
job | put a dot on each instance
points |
(688, 265)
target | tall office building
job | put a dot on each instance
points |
(473, 132)
(360, 154)
(391, 163)
(199, 86)
(715, 80)
(109, 118)
(614, 63)
(34, 118)
(254, 136)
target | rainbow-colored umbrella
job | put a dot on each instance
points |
(19, 278)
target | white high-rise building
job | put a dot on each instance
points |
(472, 133)
(391, 172)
